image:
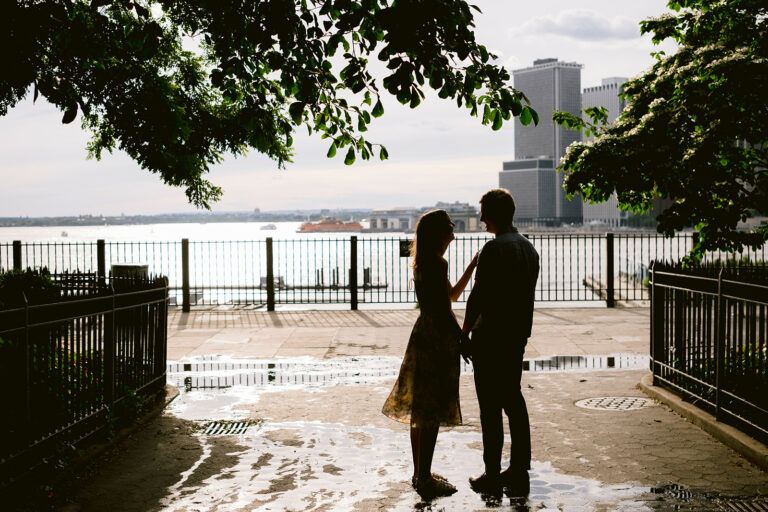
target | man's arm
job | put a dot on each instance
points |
(476, 298)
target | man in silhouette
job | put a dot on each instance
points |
(499, 315)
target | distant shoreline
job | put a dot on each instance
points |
(179, 218)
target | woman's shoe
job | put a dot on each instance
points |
(433, 486)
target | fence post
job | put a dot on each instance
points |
(185, 303)
(719, 342)
(101, 265)
(17, 255)
(270, 276)
(109, 354)
(658, 355)
(27, 370)
(609, 300)
(353, 273)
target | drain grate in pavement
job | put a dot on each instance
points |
(745, 505)
(615, 403)
(227, 427)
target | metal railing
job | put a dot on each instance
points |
(575, 267)
(709, 341)
(69, 368)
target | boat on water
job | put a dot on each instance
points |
(269, 227)
(330, 226)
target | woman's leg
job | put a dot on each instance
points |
(427, 441)
(415, 446)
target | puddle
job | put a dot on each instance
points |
(213, 372)
(320, 466)
(325, 465)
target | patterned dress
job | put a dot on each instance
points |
(426, 393)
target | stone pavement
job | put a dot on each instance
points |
(253, 333)
(319, 442)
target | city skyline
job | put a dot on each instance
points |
(437, 150)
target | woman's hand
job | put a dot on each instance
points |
(473, 263)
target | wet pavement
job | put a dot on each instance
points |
(306, 433)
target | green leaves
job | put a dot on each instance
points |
(350, 158)
(69, 114)
(296, 111)
(264, 69)
(692, 136)
(378, 109)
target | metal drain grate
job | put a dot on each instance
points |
(615, 403)
(745, 505)
(227, 428)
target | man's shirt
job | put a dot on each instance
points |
(505, 282)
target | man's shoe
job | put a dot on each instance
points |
(516, 482)
(486, 484)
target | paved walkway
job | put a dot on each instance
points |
(250, 333)
(318, 441)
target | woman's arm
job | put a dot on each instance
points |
(464, 280)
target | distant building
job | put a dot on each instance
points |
(403, 220)
(532, 184)
(605, 95)
(550, 85)
(464, 216)
(396, 219)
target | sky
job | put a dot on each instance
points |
(437, 152)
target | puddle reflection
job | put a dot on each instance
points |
(219, 373)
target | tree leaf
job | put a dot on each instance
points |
(525, 116)
(378, 109)
(332, 151)
(69, 114)
(497, 120)
(383, 154)
(350, 158)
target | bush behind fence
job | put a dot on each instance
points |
(709, 341)
(69, 367)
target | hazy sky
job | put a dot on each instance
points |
(437, 151)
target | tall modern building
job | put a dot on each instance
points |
(531, 178)
(605, 95)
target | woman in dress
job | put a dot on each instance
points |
(426, 394)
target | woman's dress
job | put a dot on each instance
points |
(426, 393)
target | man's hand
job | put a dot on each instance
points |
(465, 346)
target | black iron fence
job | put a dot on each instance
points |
(709, 341)
(70, 367)
(370, 269)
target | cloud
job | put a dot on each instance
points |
(582, 25)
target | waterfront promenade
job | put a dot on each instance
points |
(317, 441)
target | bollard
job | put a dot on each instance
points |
(185, 304)
(353, 273)
(270, 276)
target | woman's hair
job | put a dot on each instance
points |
(431, 230)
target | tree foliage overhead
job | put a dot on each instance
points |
(694, 129)
(255, 71)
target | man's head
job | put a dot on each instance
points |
(497, 209)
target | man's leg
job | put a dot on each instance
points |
(491, 421)
(517, 413)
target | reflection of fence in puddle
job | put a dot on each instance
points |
(210, 373)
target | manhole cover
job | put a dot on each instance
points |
(227, 428)
(615, 403)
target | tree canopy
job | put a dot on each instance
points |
(177, 84)
(694, 129)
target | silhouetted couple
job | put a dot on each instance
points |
(496, 328)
